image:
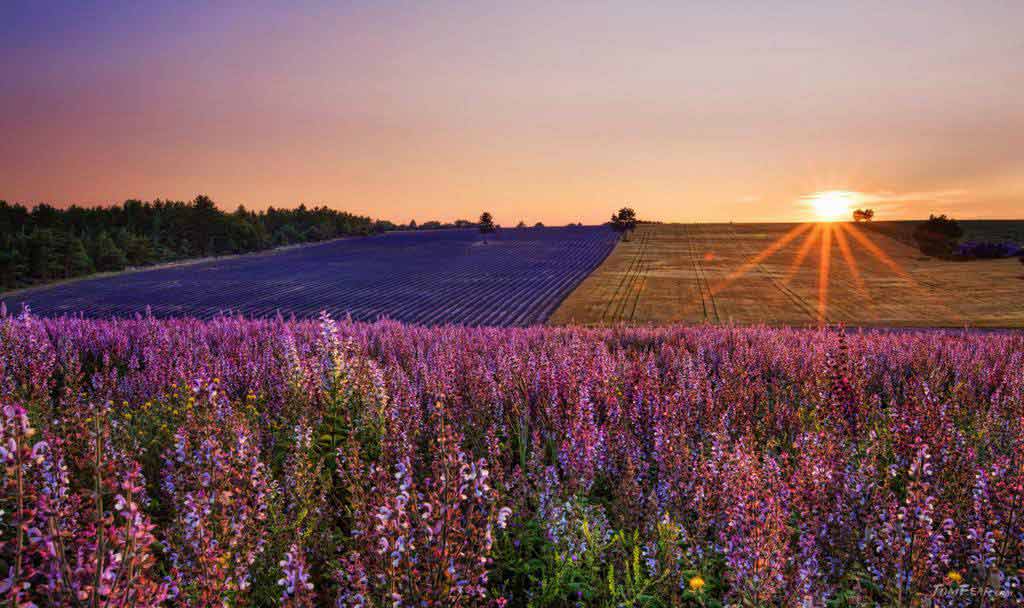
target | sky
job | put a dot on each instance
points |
(535, 111)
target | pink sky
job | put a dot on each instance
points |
(687, 111)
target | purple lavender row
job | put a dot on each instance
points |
(436, 277)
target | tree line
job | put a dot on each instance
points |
(45, 243)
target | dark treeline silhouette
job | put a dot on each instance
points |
(45, 243)
(437, 225)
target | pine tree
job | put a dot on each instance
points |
(486, 223)
(108, 255)
(138, 250)
(76, 260)
(43, 255)
(12, 263)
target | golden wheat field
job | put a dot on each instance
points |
(790, 274)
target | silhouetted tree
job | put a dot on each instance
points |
(863, 215)
(486, 223)
(539, 225)
(521, 224)
(624, 222)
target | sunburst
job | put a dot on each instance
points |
(852, 243)
(832, 205)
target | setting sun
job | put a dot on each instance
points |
(832, 205)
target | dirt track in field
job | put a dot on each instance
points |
(791, 274)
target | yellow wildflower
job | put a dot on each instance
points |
(696, 583)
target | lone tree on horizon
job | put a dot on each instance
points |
(863, 215)
(486, 223)
(624, 222)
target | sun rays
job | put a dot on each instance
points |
(855, 248)
(774, 247)
(851, 262)
(824, 268)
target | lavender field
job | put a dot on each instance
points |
(432, 277)
(320, 463)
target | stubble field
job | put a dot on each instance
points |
(791, 274)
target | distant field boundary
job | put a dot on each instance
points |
(555, 304)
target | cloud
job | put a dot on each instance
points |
(916, 202)
(950, 196)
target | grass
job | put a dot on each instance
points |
(789, 274)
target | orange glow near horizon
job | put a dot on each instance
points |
(696, 112)
(832, 205)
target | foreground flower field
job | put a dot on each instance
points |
(239, 463)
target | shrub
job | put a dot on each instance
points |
(937, 236)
